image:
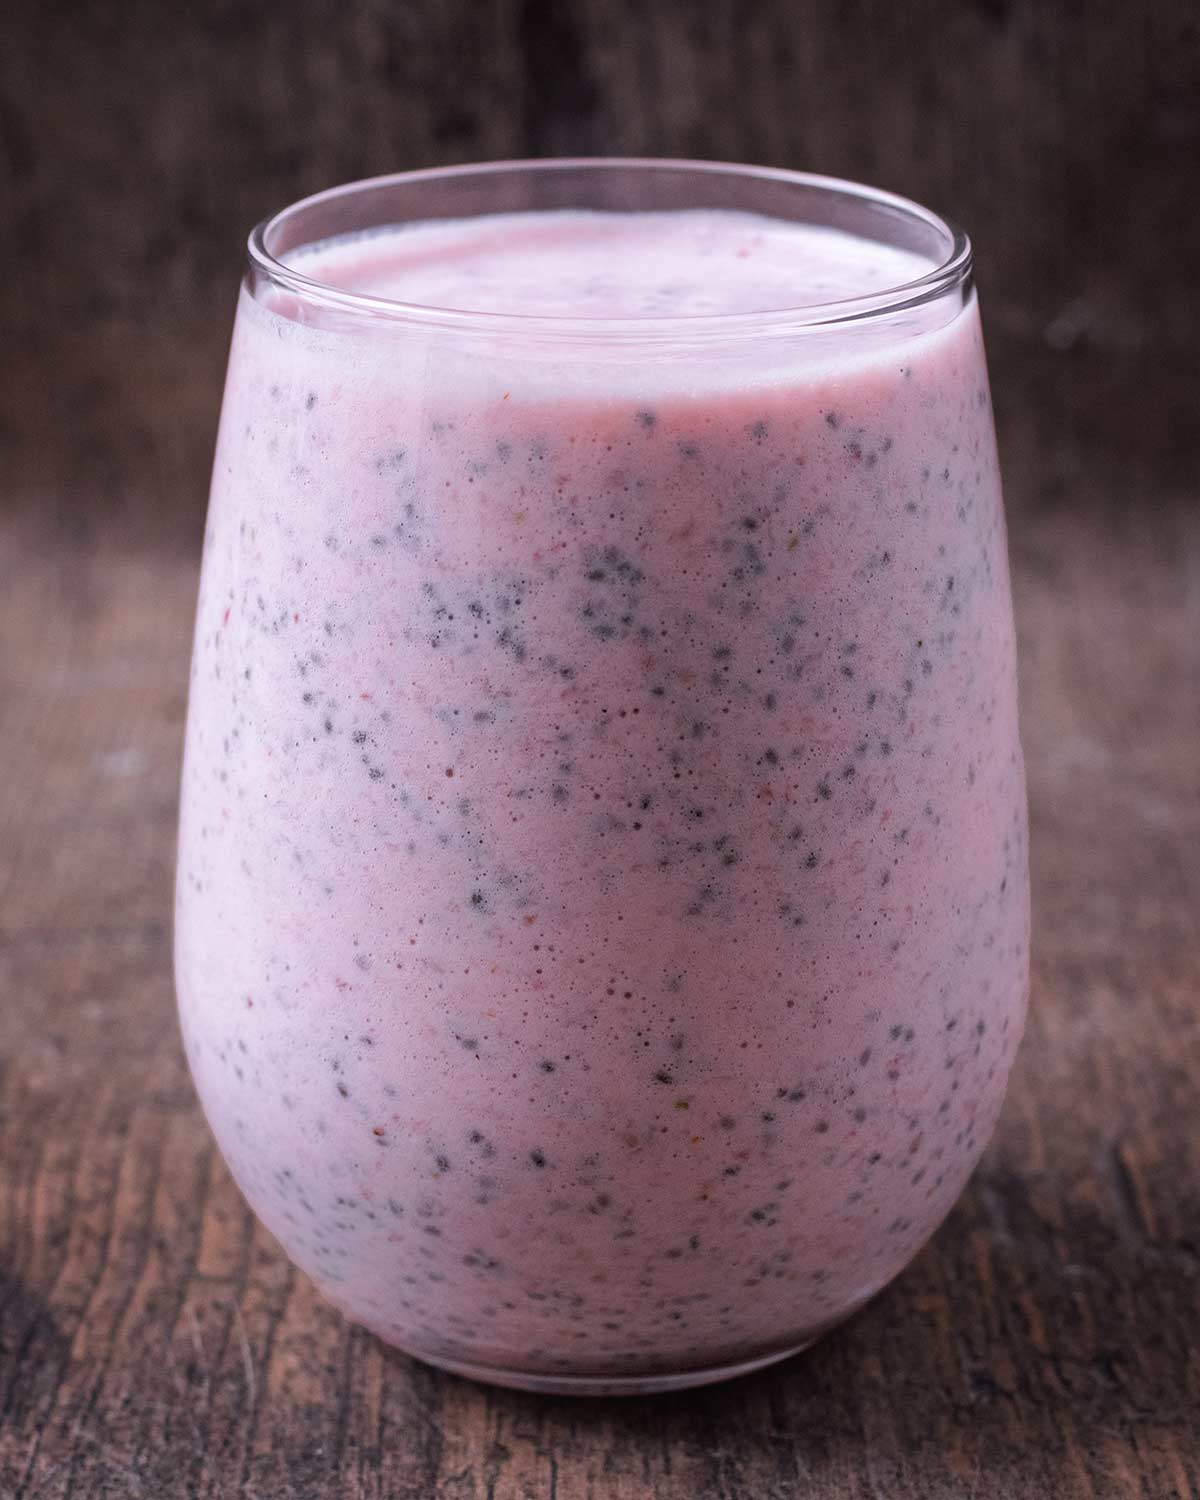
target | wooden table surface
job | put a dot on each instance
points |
(154, 1342)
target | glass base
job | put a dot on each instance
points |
(612, 1385)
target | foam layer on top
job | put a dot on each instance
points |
(591, 264)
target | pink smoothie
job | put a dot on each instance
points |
(602, 904)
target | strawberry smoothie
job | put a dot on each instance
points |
(602, 903)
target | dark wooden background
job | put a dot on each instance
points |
(140, 140)
(152, 1340)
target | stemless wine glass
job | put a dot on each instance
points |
(602, 913)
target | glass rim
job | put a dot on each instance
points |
(950, 273)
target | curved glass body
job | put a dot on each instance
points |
(602, 913)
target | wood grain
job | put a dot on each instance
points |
(153, 1341)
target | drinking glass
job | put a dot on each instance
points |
(602, 909)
